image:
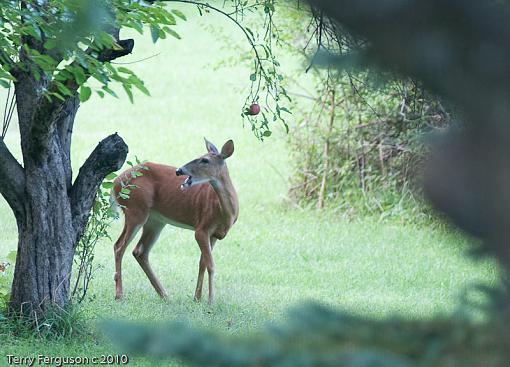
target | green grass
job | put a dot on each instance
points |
(275, 256)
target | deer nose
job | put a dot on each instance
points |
(179, 172)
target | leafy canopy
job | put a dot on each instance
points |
(64, 42)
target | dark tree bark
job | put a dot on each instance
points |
(51, 211)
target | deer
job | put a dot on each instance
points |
(198, 196)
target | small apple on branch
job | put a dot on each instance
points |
(253, 110)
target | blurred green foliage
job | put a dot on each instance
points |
(316, 335)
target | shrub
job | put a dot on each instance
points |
(360, 146)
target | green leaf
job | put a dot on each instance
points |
(111, 176)
(142, 88)
(56, 95)
(104, 39)
(79, 75)
(154, 33)
(31, 30)
(267, 133)
(63, 89)
(127, 89)
(124, 70)
(85, 93)
(107, 185)
(50, 44)
(174, 33)
(37, 74)
(110, 91)
(139, 84)
(179, 13)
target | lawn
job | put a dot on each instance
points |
(276, 255)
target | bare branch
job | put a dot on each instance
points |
(109, 55)
(107, 157)
(64, 124)
(12, 179)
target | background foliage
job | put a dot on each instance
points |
(360, 148)
(360, 135)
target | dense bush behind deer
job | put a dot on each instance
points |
(360, 146)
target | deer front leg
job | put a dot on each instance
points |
(201, 271)
(206, 262)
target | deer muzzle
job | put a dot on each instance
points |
(188, 181)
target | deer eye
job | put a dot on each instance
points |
(204, 160)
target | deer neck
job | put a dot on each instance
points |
(227, 195)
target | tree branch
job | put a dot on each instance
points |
(43, 124)
(64, 123)
(12, 179)
(109, 55)
(107, 157)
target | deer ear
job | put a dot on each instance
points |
(227, 150)
(210, 147)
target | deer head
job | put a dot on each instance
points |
(207, 168)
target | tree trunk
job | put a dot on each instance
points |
(46, 245)
(50, 210)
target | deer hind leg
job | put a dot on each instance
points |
(131, 228)
(206, 245)
(150, 234)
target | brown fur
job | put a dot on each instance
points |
(209, 208)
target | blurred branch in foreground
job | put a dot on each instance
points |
(315, 335)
